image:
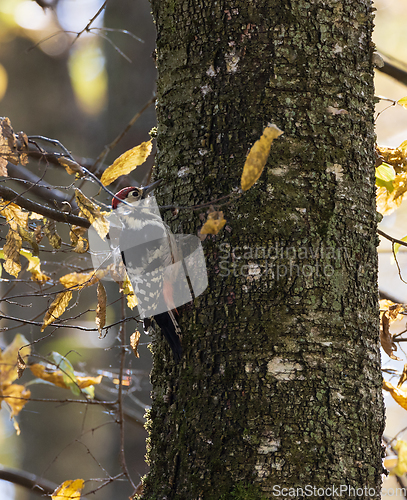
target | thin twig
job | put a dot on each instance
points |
(87, 27)
(120, 420)
(75, 327)
(109, 147)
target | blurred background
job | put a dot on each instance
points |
(84, 91)
(83, 94)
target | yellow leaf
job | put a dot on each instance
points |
(12, 252)
(398, 395)
(127, 288)
(9, 359)
(401, 449)
(80, 243)
(127, 162)
(16, 396)
(14, 215)
(69, 490)
(92, 213)
(34, 264)
(214, 223)
(403, 102)
(101, 308)
(390, 462)
(134, 341)
(58, 378)
(57, 308)
(257, 157)
(77, 281)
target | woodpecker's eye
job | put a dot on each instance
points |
(135, 194)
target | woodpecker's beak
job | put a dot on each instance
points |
(150, 187)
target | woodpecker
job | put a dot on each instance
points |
(149, 250)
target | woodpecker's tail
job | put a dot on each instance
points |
(171, 331)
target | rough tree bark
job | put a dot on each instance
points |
(280, 382)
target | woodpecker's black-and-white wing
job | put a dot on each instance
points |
(148, 251)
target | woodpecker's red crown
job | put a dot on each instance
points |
(133, 193)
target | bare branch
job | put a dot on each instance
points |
(30, 481)
(10, 195)
(390, 238)
(38, 187)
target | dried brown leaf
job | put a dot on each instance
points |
(29, 237)
(22, 143)
(57, 308)
(8, 143)
(134, 341)
(50, 231)
(386, 338)
(92, 213)
(12, 253)
(403, 377)
(20, 365)
(101, 308)
(72, 167)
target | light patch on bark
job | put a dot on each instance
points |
(336, 111)
(205, 89)
(337, 170)
(253, 270)
(268, 446)
(182, 172)
(283, 369)
(262, 470)
(211, 71)
(232, 60)
(279, 171)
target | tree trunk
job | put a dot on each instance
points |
(279, 385)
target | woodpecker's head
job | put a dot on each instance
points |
(131, 194)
